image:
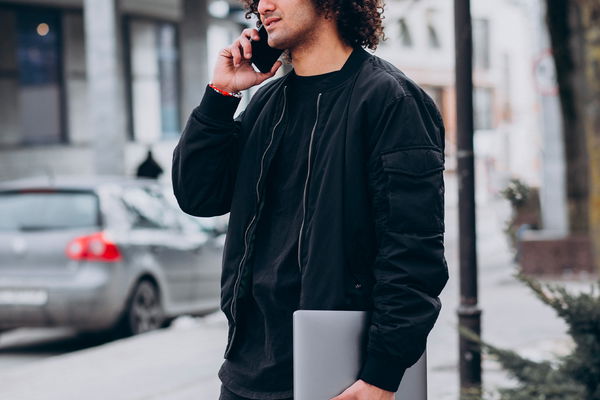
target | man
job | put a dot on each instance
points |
(149, 168)
(333, 179)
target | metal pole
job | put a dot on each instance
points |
(469, 315)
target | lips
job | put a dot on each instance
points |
(270, 21)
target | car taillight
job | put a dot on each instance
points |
(94, 247)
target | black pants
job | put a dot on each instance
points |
(226, 394)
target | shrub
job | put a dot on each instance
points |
(575, 376)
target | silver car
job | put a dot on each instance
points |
(102, 253)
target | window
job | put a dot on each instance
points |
(154, 79)
(167, 71)
(433, 39)
(405, 36)
(481, 43)
(47, 210)
(148, 209)
(31, 87)
(484, 112)
(507, 80)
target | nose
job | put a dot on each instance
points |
(265, 7)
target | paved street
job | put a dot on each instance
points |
(180, 363)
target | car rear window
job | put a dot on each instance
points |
(44, 210)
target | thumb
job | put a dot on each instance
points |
(266, 75)
(341, 396)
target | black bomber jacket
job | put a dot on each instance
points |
(372, 235)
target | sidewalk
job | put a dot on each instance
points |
(181, 363)
(178, 363)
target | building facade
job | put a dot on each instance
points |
(507, 133)
(86, 86)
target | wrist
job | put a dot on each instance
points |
(217, 106)
(225, 90)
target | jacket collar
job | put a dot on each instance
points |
(348, 70)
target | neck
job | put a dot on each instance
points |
(325, 53)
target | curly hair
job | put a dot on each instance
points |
(359, 22)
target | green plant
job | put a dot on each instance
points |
(575, 376)
(525, 205)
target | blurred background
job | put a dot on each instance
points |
(108, 290)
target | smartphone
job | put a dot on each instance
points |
(263, 56)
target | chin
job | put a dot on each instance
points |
(276, 44)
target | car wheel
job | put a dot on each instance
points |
(144, 312)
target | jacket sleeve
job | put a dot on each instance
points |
(206, 157)
(406, 186)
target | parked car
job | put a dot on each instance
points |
(102, 253)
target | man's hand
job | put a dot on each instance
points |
(361, 390)
(233, 71)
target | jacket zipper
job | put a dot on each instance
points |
(312, 134)
(246, 237)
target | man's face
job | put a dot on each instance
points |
(290, 23)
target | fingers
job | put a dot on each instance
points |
(235, 53)
(234, 63)
(241, 49)
(275, 68)
(251, 34)
(226, 52)
(246, 47)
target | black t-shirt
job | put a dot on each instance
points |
(260, 366)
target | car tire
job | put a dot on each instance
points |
(144, 311)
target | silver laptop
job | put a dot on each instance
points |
(328, 352)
